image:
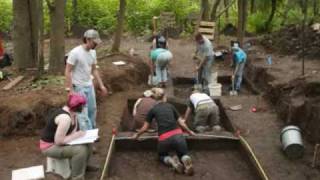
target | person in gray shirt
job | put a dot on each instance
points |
(205, 54)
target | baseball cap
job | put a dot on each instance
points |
(75, 100)
(94, 35)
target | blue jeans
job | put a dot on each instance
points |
(176, 143)
(87, 118)
(205, 73)
(161, 74)
(238, 76)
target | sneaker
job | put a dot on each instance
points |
(175, 163)
(217, 128)
(188, 168)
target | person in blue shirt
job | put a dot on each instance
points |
(239, 61)
(159, 61)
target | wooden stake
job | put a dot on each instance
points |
(110, 150)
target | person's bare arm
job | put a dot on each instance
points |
(183, 125)
(154, 44)
(63, 122)
(96, 75)
(144, 128)
(135, 106)
(187, 113)
(68, 70)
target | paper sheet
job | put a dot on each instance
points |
(119, 63)
(90, 137)
(34, 172)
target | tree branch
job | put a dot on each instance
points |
(225, 9)
(50, 5)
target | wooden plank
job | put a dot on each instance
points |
(206, 30)
(13, 83)
(207, 23)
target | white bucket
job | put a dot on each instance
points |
(291, 141)
(215, 89)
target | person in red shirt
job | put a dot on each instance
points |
(1, 49)
(5, 59)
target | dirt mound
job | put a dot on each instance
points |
(24, 112)
(123, 77)
(288, 41)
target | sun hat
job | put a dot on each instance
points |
(75, 100)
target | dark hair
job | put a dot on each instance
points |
(84, 40)
(198, 37)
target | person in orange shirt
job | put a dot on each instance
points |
(5, 59)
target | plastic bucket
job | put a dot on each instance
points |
(291, 141)
(215, 89)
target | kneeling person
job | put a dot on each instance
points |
(141, 108)
(170, 135)
(206, 112)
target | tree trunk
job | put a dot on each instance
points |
(214, 9)
(252, 6)
(118, 34)
(206, 10)
(242, 9)
(35, 30)
(273, 10)
(304, 6)
(226, 3)
(56, 60)
(41, 40)
(25, 33)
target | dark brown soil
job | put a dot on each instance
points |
(219, 164)
(24, 109)
(288, 40)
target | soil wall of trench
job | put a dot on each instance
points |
(24, 114)
(296, 102)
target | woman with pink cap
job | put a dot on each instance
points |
(61, 128)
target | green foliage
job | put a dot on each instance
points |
(140, 13)
(100, 14)
(5, 15)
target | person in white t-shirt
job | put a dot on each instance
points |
(80, 67)
(205, 110)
